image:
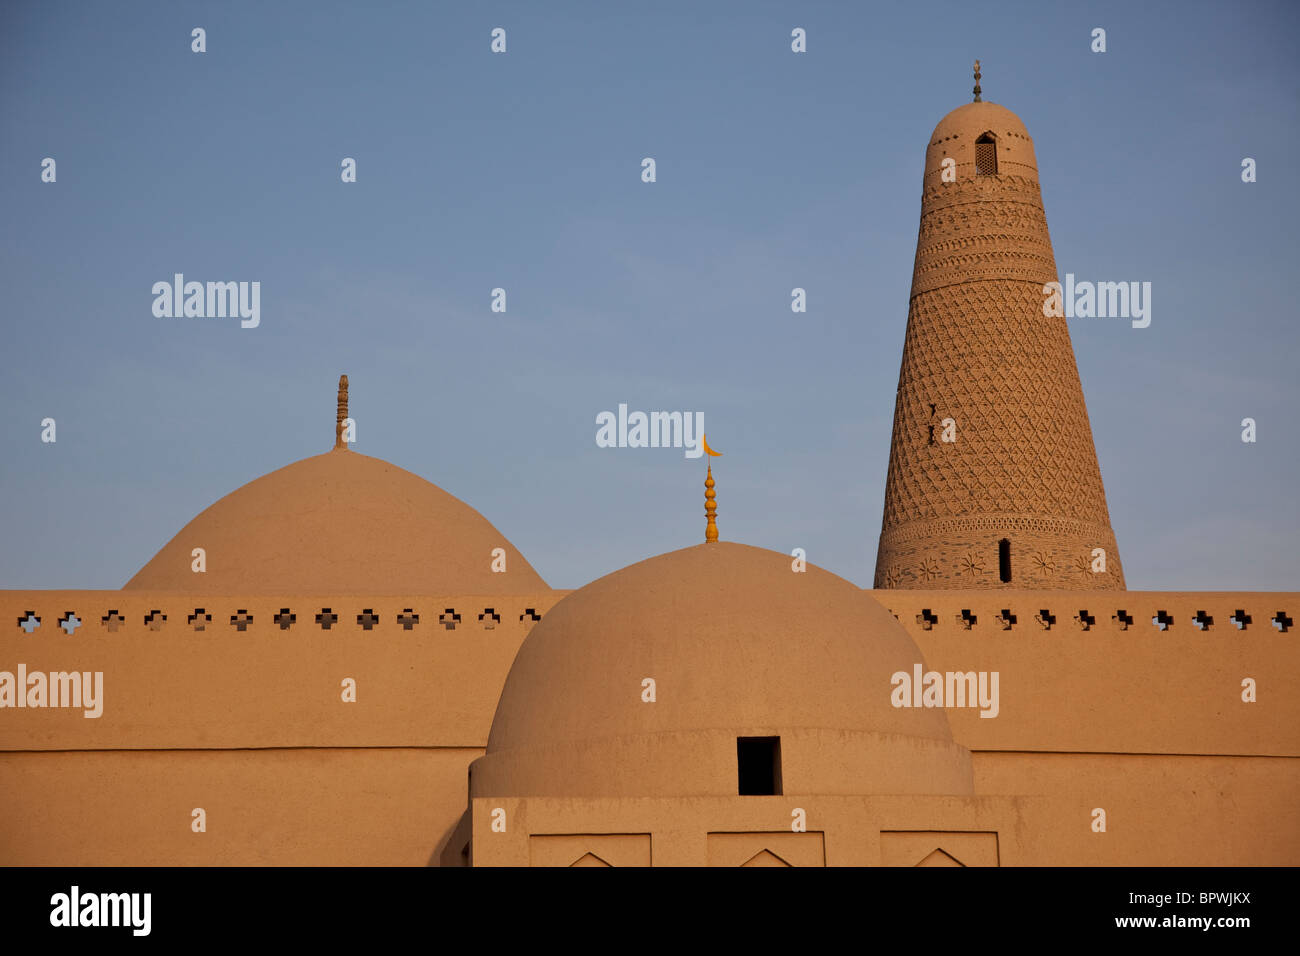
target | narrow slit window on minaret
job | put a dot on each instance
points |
(986, 155)
(1004, 560)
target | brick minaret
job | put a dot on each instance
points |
(1016, 500)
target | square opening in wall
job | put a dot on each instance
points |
(758, 762)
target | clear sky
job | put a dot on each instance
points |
(523, 171)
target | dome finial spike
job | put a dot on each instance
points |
(977, 82)
(342, 414)
(710, 508)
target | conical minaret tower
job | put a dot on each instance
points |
(993, 477)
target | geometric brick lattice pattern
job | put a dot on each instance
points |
(983, 365)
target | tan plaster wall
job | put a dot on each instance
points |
(728, 831)
(264, 687)
(373, 807)
(230, 721)
(1160, 810)
(1108, 690)
(1138, 698)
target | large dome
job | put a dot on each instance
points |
(341, 523)
(738, 645)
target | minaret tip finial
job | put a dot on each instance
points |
(710, 508)
(977, 82)
(342, 414)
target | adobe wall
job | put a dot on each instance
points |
(265, 686)
(295, 807)
(1159, 810)
(250, 725)
(1116, 688)
(1032, 810)
(732, 831)
(1145, 723)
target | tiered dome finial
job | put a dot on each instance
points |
(977, 82)
(710, 508)
(342, 414)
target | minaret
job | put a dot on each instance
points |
(993, 477)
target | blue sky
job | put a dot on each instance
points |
(522, 171)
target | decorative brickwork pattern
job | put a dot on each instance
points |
(982, 364)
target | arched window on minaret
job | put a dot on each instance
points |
(986, 155)
(1004, 560)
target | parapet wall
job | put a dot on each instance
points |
(1081, 672)
(1098, 707)
(1121, 672)
(185, 671)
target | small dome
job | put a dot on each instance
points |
(738, 645)
(972, 119)
(341, 523)
(957, 132)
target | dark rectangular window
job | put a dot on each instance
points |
(1004, 560)
(758, 762)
